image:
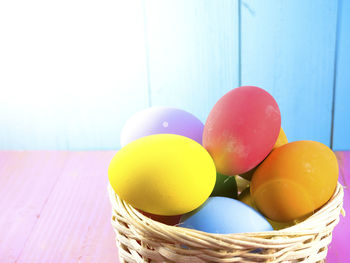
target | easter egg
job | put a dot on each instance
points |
(168, 220)
(294, 180)
(241, 129)
(161, 120)
(163, 174)
(223, 215)
(245, 197)
(281, 140)
(225, 186)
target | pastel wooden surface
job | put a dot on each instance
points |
(338, 251)
(71, 83)
(27, 180)
(54, 207)
(288, 49)
(341, 136)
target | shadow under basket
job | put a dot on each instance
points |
(141, 239)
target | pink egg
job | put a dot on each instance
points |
(242, 129)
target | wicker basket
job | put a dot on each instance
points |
(140, 239)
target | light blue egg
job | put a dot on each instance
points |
(224, 215)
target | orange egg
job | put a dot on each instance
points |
(295, 180)
(281, 140)
(246, 198)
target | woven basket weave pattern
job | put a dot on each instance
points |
(140, 239)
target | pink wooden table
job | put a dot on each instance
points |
(54, 208)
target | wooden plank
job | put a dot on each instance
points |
(26, 182)
(341, 138)
(74, 225)
(55, 208)
(193, 52)
(288, 49)
(72, 72)
(339, 248)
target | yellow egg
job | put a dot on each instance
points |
(163, 174)
(281, 139)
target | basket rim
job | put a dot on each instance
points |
(313, 224)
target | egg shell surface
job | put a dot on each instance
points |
(161, 120)
(241, 129)
(163, 174)
(225, 186)
(168, 220)
(281, 140)
(295, 180)
(246, 198)
(223, 215)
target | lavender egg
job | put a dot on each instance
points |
(162, 120)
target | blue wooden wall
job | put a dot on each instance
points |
(341, 125)
(187, 54)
